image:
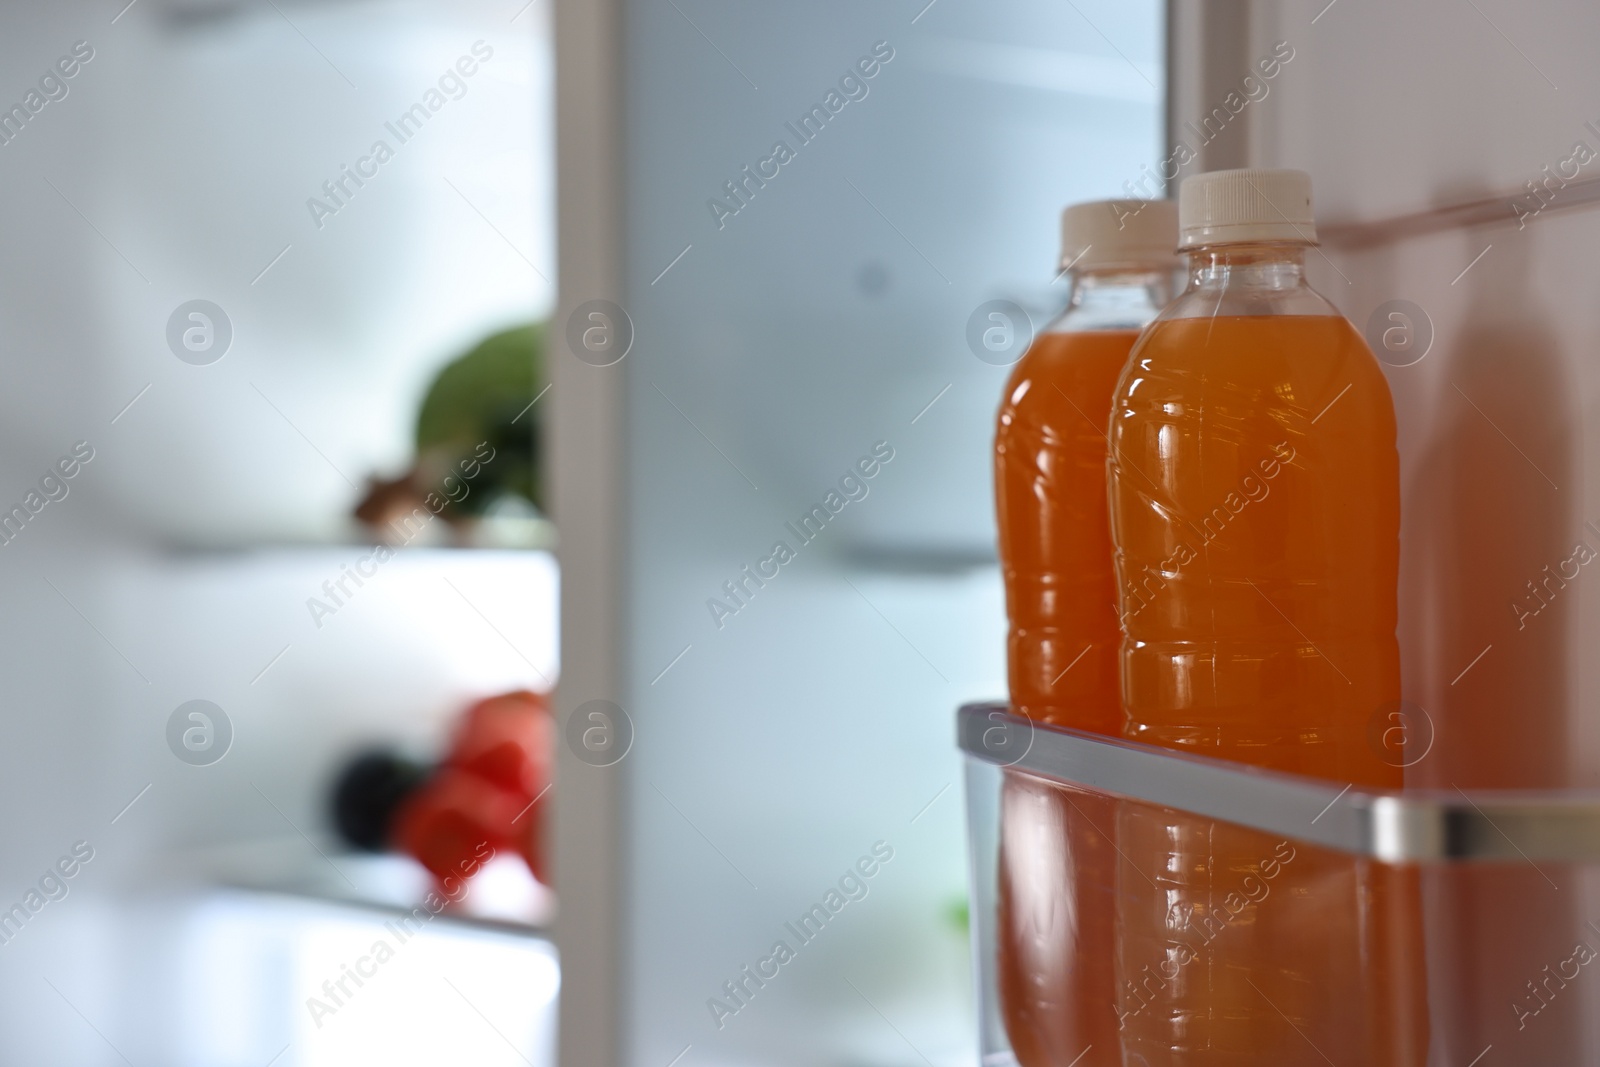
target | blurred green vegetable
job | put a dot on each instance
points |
(487, 395)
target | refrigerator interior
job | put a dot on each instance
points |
(1421, 125)
(792, 319)
(210, 501)
(790, 729)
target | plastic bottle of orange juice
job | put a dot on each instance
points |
(1255, 512)
(1058, 865)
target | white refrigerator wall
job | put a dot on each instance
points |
(785, 731)
(1402, 113)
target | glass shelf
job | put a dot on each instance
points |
(1436, 926)
(1416, 826)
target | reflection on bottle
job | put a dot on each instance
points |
(1057, 947)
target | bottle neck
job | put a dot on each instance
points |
(1252, 280)
(1110, 299)
(1260, 268)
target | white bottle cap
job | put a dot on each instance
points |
(1245, 206)
(1119, 233)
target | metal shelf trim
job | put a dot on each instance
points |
(1415, 826)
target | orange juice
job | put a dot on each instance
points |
(1260, 551)
(1255, 514)
(1058, 861)
(1055, 537)
(1057, 924)
(1058, 867)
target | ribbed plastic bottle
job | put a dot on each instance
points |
(1058, 863)
(1255, 513)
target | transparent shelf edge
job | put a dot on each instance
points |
(1414, 826)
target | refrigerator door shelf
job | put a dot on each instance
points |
(1414, 826)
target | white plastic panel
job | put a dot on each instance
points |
(776, 746)
(1407, 110)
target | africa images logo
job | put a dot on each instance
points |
(52, 88)
(741, 189)
(742, 587)
(853, 885)
(342, 188)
